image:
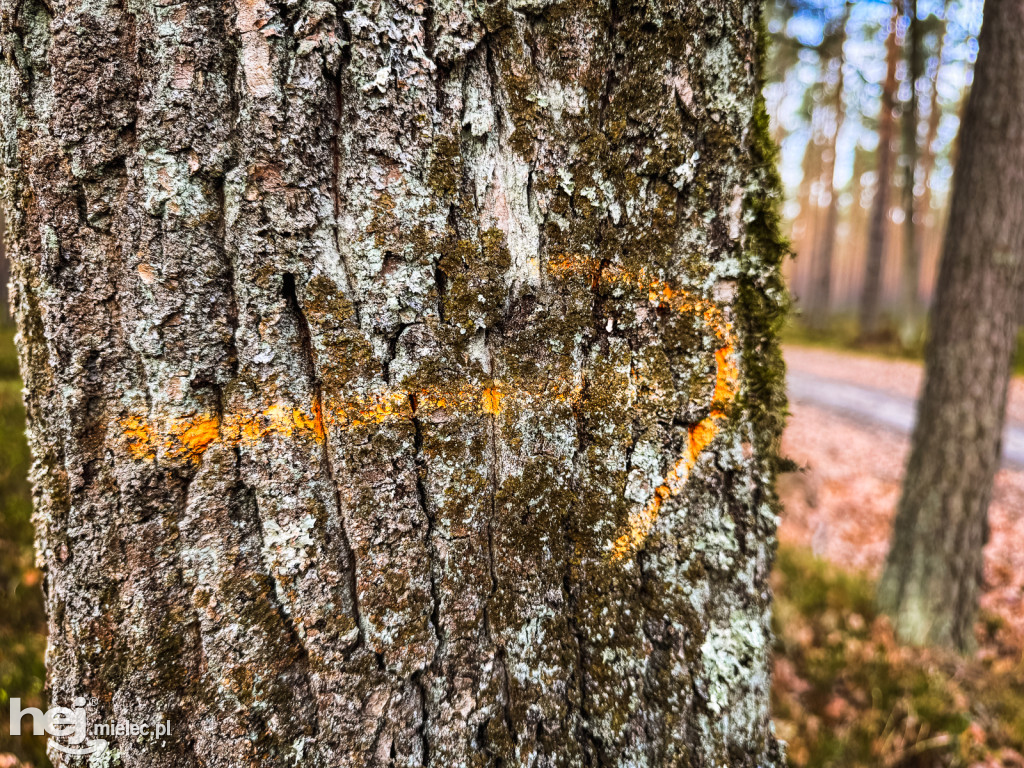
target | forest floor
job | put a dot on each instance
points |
(842, 502)
(845, 693)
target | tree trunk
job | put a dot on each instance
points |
(825, 256)
(932, 221)
(910, 303)
(928, 153)
(5, 275)
(401, 377)
(806, 225)
(932, 575)
(871, 292)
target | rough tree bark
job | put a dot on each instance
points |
(932, 575)
(401, 377)
(869, 315)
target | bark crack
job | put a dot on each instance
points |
(499, 648)
(421, 492)
(289, 293)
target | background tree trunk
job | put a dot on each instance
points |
(806, 226)
(928, 152)
(931, 578)
(401, 378)
(825, 253)
(871, 292)
(910, 300)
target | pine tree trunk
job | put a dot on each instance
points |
(806, 227)
(932, 575)
(825, 253)
(869, 318)
(401, 378)
(910, 300)
(928, 154)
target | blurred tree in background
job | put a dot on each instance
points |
(865, 99)
(880, 207)
(933, 573)
(830, 53)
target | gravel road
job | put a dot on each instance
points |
(879, 406)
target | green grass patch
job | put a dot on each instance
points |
(842, 333)
(8, 354)
(845, 693)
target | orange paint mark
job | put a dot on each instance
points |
(195, 437)
(378, 408)
(190, 437)
(728, 376)
(277, 420)
(139, 436)
(317, 422)
(641, 522)
(491, 401)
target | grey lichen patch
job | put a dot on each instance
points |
(725, 656)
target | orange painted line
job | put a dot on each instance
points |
(641, 522)
(491, 401)
(189, 437)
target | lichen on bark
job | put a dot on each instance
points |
(402, 380)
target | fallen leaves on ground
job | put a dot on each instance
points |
(845, 693)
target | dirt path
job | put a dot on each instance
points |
(877, 404)
(897, 377)
(849, 427)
